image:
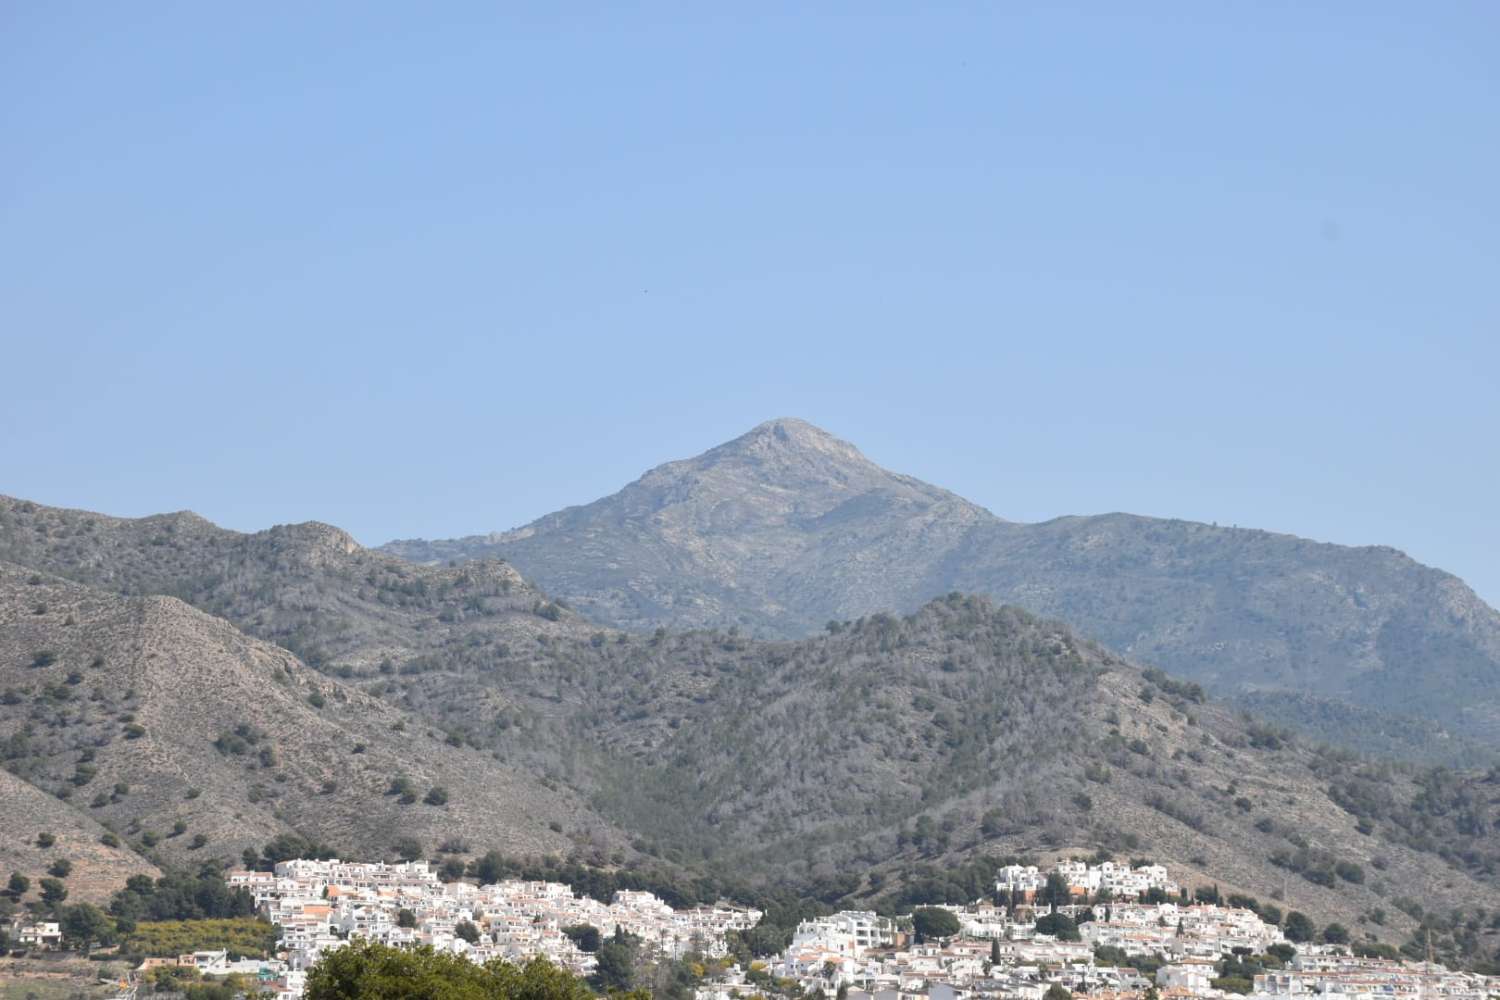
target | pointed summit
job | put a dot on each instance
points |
(791, 432)
(790, 436)
(785, 454)
(746, 533)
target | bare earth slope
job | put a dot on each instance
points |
(787, 527)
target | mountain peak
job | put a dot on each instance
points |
(788, 428)
(786, 438)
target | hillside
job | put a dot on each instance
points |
(309, 588)
(98, 869)
(894, 743)
(860, 761)
(787, 527)
(193, 741)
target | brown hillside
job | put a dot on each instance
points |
(103, 691)
(98, 870)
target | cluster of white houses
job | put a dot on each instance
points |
(1000, 952)
(319, 905)
(1118, 881)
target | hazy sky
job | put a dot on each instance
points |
(440, 269)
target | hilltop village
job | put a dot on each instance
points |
(1108, 931)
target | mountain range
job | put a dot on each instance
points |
(172, 692)
(788, 527)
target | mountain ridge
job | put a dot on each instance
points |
(787, 527)
(884, 747)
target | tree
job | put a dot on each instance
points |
(18, 884)
(490, 868)
(995, 952)
(45, 840)
(53, 891)
(616, 962)
(61, 868)
(1299, 928)
(404, 789)
(1057, 991)
(405, 918)
(585, 936)
(366, 970)
(934, 922)
(437, 795)
(1056, 892)
(1336, 934)
(1058, 925)
(86, 924)
(466, 930)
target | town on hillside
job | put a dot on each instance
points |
(1108, 931)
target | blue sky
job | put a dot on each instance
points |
(433, 270)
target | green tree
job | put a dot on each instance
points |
(1057, 991)
(934, 922)
(366, 970)
(490, 868)
(53, 891)
(585, 936)
(61, 868)
(1055, 892)
(1336, 934)
(405, 918)
(437, 795)
(84, 925)
(1299, 928)
(1058, 925)
(616, 962)
(403, 788)
(467, 931)
(18, 884)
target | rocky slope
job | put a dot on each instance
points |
(892, 743)
(98, 868)
(787, 527)
(307, 587)
(192, 741)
